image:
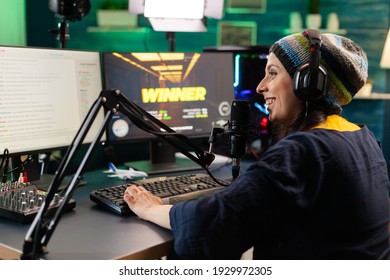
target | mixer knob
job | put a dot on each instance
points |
(31, 205)
(56, 198)
(30, 195)
(40, 199)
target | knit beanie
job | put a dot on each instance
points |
(345, 62)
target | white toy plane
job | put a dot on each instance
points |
(123, 173)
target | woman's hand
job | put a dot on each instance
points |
(141, 201)
(147, 206)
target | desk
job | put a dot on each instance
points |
(90, 232)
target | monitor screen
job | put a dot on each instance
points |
(189, 92)
(249, 71)
(45, 95)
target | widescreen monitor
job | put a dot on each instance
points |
(45, 95)
(189, 92)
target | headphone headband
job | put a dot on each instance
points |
(315, 54)
(310, 79)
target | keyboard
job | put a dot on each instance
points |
(20, 202)
(171, 189)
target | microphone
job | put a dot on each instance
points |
(238, 132)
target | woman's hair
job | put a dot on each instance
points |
(313, 114)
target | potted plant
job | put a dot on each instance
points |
(115, 13)
(313, 18)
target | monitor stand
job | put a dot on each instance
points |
(45, 180)
(163, 160)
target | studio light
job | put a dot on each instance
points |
(68, 10)
(174, 9)
(177, 15)
(71, 10)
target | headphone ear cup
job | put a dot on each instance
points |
(301, 85)
(300, 82)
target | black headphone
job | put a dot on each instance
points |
(309, 81)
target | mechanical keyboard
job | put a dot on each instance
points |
(171, 189)
(21, 202)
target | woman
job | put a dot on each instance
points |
(320, 192)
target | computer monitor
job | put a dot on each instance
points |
(45, 95)
(189, 92)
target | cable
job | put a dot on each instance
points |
(5, 153)
(22, 164)
(148, 123)
(5, 161)
(215, 179)
(305, 116)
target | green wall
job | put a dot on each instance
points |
(366, 22)
(12, 22)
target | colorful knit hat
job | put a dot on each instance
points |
(345, 62)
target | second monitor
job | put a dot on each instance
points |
(189, 92)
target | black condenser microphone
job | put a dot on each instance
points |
(238, 132)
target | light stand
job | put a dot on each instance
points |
(171, 40)
(113, 101)
(62, 33)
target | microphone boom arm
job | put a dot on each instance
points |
(44, 224)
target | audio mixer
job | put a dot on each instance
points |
(21, 202)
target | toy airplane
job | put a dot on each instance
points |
(123, 173)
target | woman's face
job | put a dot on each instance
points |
(282, 104)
